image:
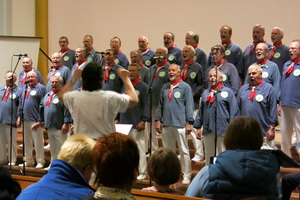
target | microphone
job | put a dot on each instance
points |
(25, 54)
(103, 53)
(26, 82)
(159, 57)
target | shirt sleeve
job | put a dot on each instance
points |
(199, 183)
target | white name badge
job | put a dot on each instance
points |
(265, 74)
(259, 98)
(55, 101)
(32, 92)
(224, 94)
(177, 95)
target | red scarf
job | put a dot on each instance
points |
(262, 62)
(253, 90)
(141, 64)
(225, 44)
(211, 95)
(90, 49)
(117, 52)
(170, 48)
(254, 46)
(159, 65)
(107, 69)
(274, 49)
(6, 94)
(64, 51)
(184, 72)
(54, 69)
(172, 85)
(195, 47)
(144, 50)
(28, 89)
(24, 78)
(136, 81)
(221, 62)
(80, 63)
(291, 67)
(50, 97)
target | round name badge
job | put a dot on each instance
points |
(112, 76)
(224, 77)
(277, 55)
(66, 58)
(32, 92)
(57, 74)
(148, 63)
(137, 93)
(296, 72)
(55, 101)
(177, 95)
(90, 59)
(265, 74)
(162, 74)
(171, 58)
(117, 61)
(224, 94)
(259, 98)
(193, 75)
(227, 52)
(13, 96)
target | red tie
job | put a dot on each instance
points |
(49, 99)
(211, 95)
(274, 49)
(253, 90)
(27, 92)
(184, 72)
(5, 97)
(106, 74)
(172, 85)
(291, 67)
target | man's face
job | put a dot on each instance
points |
(160, 52)
(63, 44)
(8, 77)
(143, 44)
(32, 78)
(173, 72)
(261, 51)
(187, 54)
(217, 56)
(134, 73)
(115, 44)
(55, 84)
(254, 75)
(276, 36)
(257, 34)
(168, 41)
(79, 55)
(294, 50)
(214, 81)
(87, 42)
(56, 60)
(135, 58)
(109, 57)
(189, 40)
(27, 64)
(224, 34)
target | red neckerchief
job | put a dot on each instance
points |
(54, 69)
(225, 44)
(184, 72)
(195, 47)
(90, 49)
(262, 62)
(221, 62)
(28, 89)
(254, 46)
(64, 51)
(118, 52)
(253, 90)
(274, 49)
(170, 48)
(136, 81)
(145, 50)
(50, 97)
(24, 78)
(291, 67)
(172, 85)
(211, 95)
(80, 63)
(6, 94)
(107, 69)
(159, 65)
(141, 64)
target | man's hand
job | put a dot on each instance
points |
(123, 73)
(35, 126)
(278, 110)
(140, 126)
(271, 134)
(188, 128)
(158, 126)
(199, 133)
(65, 128)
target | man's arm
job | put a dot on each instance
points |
(124, 75)
(68, 87)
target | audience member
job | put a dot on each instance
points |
(9, 188)
(164, 169)
(69, 175)
(243, 170)
(116, 158)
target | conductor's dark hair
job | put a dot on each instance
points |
(92, 77)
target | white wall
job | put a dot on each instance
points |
(128, 19)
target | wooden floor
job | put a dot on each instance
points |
(196, 167)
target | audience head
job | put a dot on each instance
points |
(77, 150)
(9, 188)
(164, 167)
(117, 160)
(243, 133)
(92, 77)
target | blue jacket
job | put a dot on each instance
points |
(62, 182)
